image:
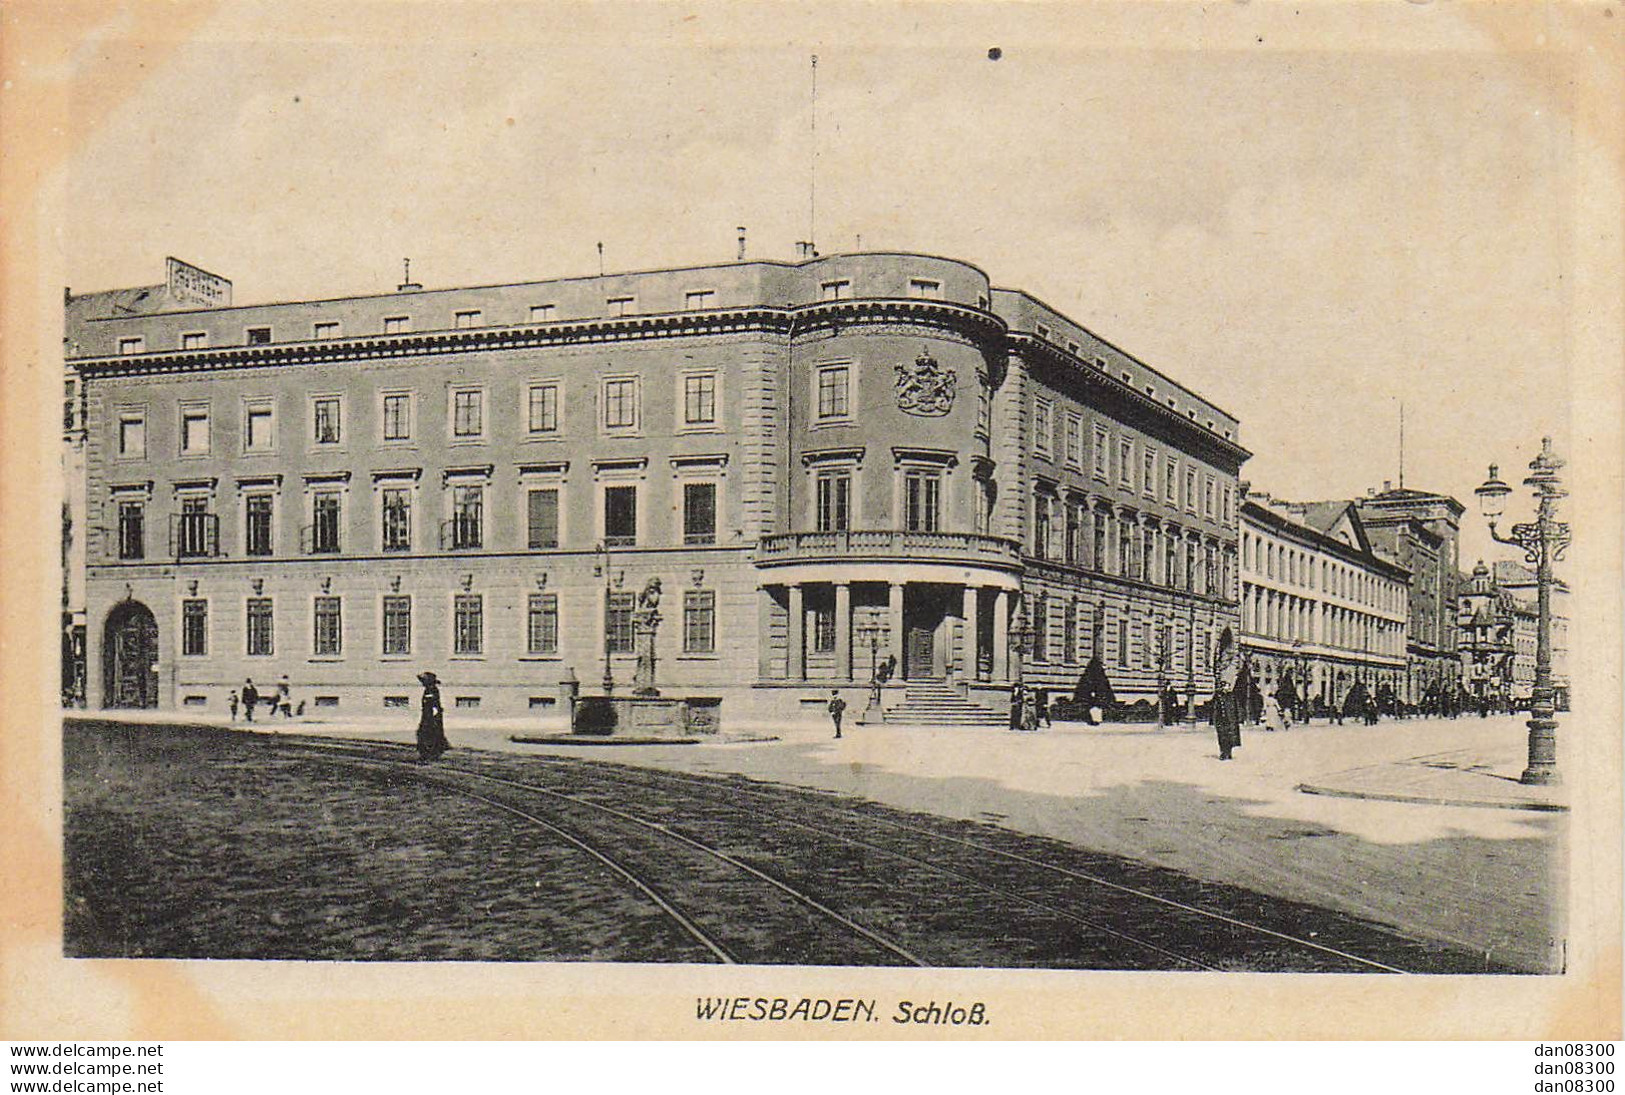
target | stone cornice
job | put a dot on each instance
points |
(970, 322)
(1032, 347)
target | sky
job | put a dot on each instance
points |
(1309, 237)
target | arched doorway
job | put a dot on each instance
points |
(130, 657)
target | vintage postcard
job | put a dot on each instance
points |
(812, 521)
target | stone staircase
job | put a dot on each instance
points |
(938, 703)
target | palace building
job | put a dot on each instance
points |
(1319, 604)
(827, 465)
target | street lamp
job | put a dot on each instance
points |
(602, 568)
(1543, 542)
(870, 632)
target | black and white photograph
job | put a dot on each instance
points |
(943, 495)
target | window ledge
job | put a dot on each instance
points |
(541, 658)
(396, 658)
(467, 658)
(826, 423)
(698, 658)
(323, 659)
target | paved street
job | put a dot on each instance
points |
(1476, 878)
(203, 843)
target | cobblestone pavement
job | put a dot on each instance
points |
(206, 843)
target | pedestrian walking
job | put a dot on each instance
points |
(284, 697)
(251, 698)
(231, 702)
(1226, 712)
(1018, 703)
(1274, 716)
(837, 708)
(432, 722)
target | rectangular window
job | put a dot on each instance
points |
(1125, 462)
(325, 413)
(621, 404)
(542, 624)
(1040, 625)
(397, 325)
(1043, 426)
(542, 519)
(834, 501)
(543, 416)
(257, 524)
(194, 431)
(467, 517)
(699, 513)
(132, 537)
(257, 336)
(700, 399)
(132, 434)
(194, 340)
(542, 313)
(195, 529)
(194, 627)
(259, 429)
(1148, 481)
(925, 288)
(620, 306)
(832, 392)
(1043, 332)
(1074, 529)
(699, 621)
(1074, 441)
(620, 516)
(468, 413)
(618, 623)
(1170, 479)
(1190, 489)
(328, 638)
(397, 624)
(922, 499)
(326, 331)
(324, 528)
(1041, 531)
(261, 627)
(471, 318)
(1123, 653)
(823, 629)
(127, 346)
(696, 299)
(836, 290)
(1102, 454)
(397, 519)
(1207, 498)
(1069, 633)
(469, 618)
(397, 417)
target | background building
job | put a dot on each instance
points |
(1319, 603)
(824, 465)
(1420, 531)
(1499, 626)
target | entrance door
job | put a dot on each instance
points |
(130, 654)
(921, 652)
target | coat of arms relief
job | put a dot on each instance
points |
(924, 388)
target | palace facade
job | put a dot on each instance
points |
(824, 466)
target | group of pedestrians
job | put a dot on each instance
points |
(251, 698)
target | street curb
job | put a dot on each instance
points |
(1433, 800)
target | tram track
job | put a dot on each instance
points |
(1204, 938)
(660, 893)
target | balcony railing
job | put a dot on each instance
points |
(889, 544)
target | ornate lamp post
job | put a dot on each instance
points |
(1543, 542)
(602, 569)
(870, 633)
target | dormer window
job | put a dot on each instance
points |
(698, 299)
(397, 325)
(837, 290)
(194, 340)
(257, 336)
(471, 318)
(326, 331)
(542, 313)
(620, 306)
(136, 345)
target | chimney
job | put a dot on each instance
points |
(1387, 485)
(741, 243)
(804, 250)
(407, 285)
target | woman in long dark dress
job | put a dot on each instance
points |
(1226, 712)
(432, 723)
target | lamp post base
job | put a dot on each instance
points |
(1542, 769)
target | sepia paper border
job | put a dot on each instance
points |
(49, 55)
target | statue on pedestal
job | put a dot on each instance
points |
(645, 622)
